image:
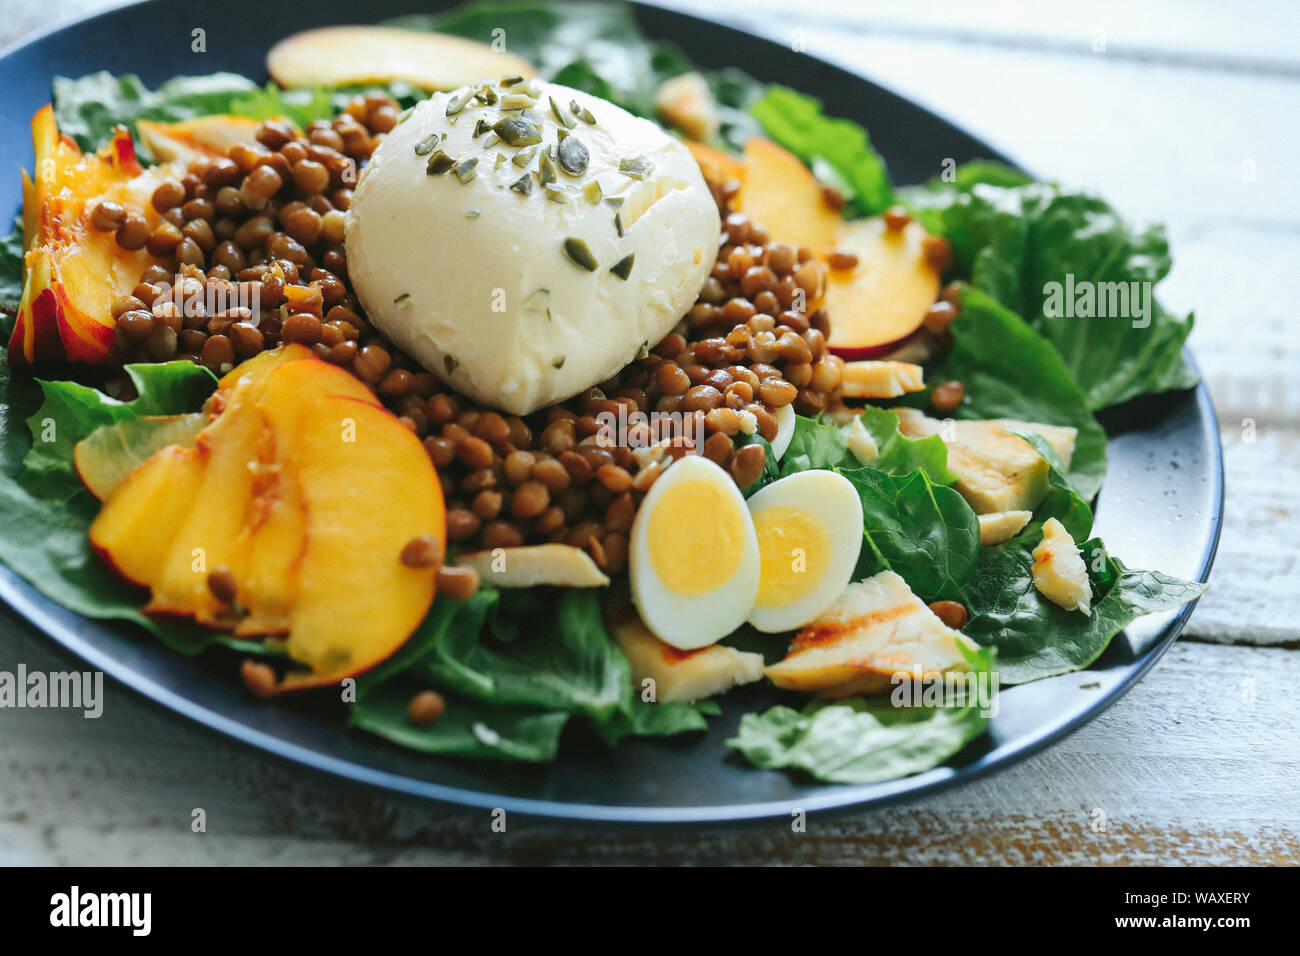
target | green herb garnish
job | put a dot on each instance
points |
(450, 363)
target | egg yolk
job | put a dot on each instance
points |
(794, 550)
(696, 538)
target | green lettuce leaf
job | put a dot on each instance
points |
(861, 740)
(1020, 241)
(926, 533)
(901, 455)
(70, 412)
(524, 653)
(838, 150)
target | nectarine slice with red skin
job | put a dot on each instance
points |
(781, 194)
(369, 487)
(134, 530)
(883, 299)
(256, 369)
(73, 271)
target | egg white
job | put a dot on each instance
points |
(688, 622)
(831, 500)
(785, 421)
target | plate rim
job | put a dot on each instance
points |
(42, 612)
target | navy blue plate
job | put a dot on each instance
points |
(1160, 508)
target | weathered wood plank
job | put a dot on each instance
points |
(1186, 769)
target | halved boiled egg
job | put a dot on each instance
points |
(693, 557)
(785, 422)
(809, 529)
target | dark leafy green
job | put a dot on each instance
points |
(70, 412)
(467, 728)
(89, 107)
(924, 532)
(556, 658)
(1029, 244)
(861, 741)
(838, 150)
(1034, 638)
(11, 272)
(596, 47)
(900, 455)
(1062, 501)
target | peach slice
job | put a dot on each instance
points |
(133, 531)
(781, 194)
(369, 487)
(256, 370)
(107, 455)
(73, 271)
(716, 165)
(342, 56)
(884, 298)
(205, 136)
(209, 536)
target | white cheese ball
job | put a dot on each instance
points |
(472, 278)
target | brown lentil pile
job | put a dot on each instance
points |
(267, 220)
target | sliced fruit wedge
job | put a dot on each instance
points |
(134, 530)
(780, 193)
(209, 136)
(357, 602)
(343, 56)
(108, 454)
(884, 298)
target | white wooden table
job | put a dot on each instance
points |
(1178, 111)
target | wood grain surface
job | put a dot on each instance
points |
(1186, 115)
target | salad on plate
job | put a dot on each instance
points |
(508, 390)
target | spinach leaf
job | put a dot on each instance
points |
(596, 47)
(836, 149)
(1034, 638)
(1010, 371)
(1062, 502)
(12, 272)
(556, 657)
(1030, 245)
(467, 728)
(861, 740)
(71, 411)
(924, 532)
